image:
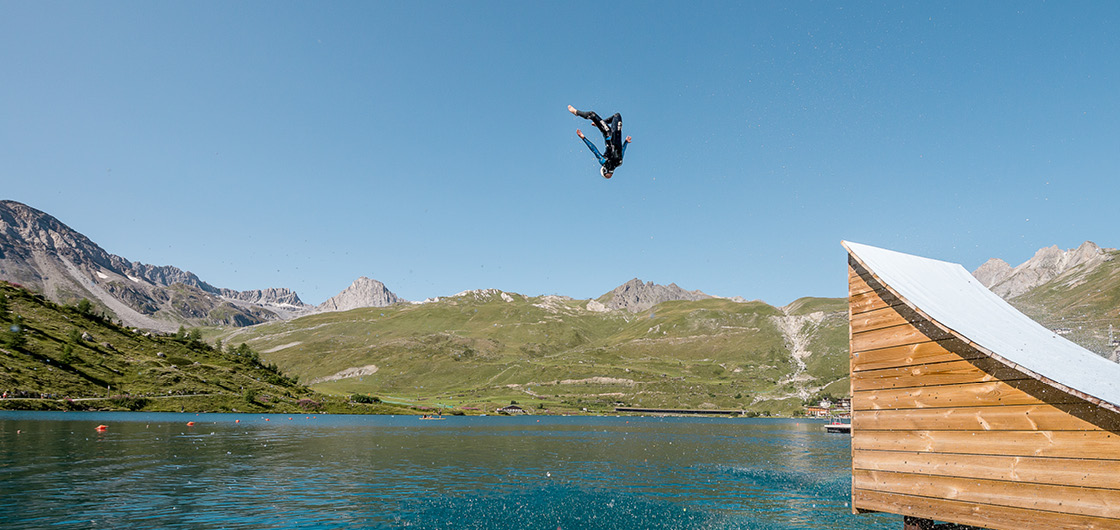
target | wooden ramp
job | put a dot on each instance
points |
(966, 411)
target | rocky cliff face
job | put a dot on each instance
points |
(279, 296)
(635, 296)
(43, 254)
(1048, 263)
(364, 292)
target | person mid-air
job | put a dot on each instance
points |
(612, 136)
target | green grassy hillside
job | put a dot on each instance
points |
(1084, 300)
(67, 358)
(488, 348)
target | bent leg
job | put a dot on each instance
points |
(588, 115)
(599, 123)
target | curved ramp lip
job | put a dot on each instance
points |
(986, 322)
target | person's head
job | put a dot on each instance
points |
(607, 173)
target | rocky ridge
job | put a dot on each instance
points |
(636, 296)
(1048, 263)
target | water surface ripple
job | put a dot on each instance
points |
(151, 470)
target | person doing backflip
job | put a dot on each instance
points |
(612, 136)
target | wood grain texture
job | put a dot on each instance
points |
(903, 335)
(984, 394)
(877, 319)
(942, 373)
(1103, 474)
(1083, 417)
(1095, 502)
(986, 516)
(1093, 444)
(908, 355)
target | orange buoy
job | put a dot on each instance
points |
(190, 424)
(237, 421)
(102, 428)
(266, 419)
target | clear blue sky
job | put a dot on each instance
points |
(427, 144)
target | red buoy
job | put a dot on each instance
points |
(102, 428)
(190, 424)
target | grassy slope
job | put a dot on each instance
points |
(478, 350)
(53, 359)
(1086, 302)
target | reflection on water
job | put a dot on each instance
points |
(329, 471)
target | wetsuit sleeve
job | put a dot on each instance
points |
(593, 149)
(622, 154)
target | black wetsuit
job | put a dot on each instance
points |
(612, 136)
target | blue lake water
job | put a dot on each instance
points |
(151, 470)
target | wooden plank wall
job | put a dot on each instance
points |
(940, 431)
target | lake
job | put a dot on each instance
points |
(152, 470)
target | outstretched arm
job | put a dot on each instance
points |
(593, 149)
(624, 144)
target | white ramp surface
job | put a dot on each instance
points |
(950, 296)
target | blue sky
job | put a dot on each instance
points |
(427, 144)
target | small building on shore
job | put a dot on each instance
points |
(817, 411)
(826, 409)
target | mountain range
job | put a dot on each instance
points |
(640, 344)
(45, 255)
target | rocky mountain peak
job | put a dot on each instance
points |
(1046, 264)
(992, 272)
(364, 292)
(635, 295)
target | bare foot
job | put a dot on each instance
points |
(580, 133)
(571, 109)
